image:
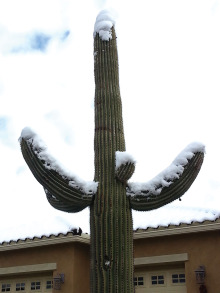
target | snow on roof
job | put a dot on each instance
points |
(35, 227)
(172, 214)
(200, 217)
(104, 22)
(29, 240)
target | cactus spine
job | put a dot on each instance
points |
(112, 201)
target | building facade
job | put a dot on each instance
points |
(165, 259)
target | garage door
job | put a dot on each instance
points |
(27, 285)
(162, 281)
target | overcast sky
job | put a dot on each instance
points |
(169, 61)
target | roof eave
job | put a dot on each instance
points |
(181, 229)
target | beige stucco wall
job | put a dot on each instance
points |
(72, 259)
(202, 249)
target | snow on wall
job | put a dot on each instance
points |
(104, 22)
(50, 163)
(166, 177)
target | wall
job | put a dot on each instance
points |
(72, 259)
(202, 248)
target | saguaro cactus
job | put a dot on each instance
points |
(110, 197)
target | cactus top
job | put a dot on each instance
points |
(104, 22)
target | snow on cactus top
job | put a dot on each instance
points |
(166, 177)
(51, 164)
(104, 22)
(121, 158)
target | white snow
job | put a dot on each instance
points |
(50, 163)
(123, 158)
(172, 172)
(104, 22)
(41, 226)
(173, 214)
(54, 224)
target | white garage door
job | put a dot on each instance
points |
(27, 285)
(162, 281)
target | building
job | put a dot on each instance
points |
(165, 259)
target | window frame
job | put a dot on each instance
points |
(178, 273)
(6, 284)
(36, 281)
(158, 274)
(45, 284)
(16, 282)
(140, 275)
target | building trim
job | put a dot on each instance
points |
(28, 243)
(162, 259)
(46, 267)
(174, 230)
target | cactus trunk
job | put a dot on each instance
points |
(110, 217)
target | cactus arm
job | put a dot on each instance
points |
(62, 192)
(124, 167)
(167, 188)
(124, 172)
(64, 206)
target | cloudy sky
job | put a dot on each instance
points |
(169, 76)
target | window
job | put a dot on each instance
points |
(35, 285)
(157, 280)
(138, 281)
(6, 288)
(178, 278)
(49, 284)
(20, 287)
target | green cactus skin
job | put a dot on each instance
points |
(59, 193)
(146, 201)
(111, 205)
(124, 172)
(110, 213)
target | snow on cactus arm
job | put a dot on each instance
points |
(170, 184)
(64, 190)
(124, 166)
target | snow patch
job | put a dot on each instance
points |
(166, 177)
(40, 149)
(36, 227)
(123, 158)
(104, 22)
(172, 215)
